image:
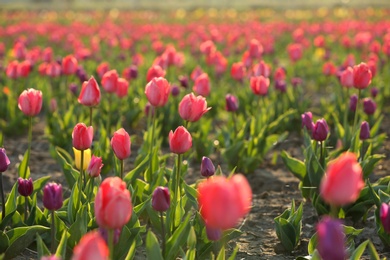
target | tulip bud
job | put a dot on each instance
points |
(385, 217)
(281, 85)
(95, 166)
(91, 246)
(161, 199)
(374, 92)
(121, 144)
(320, 130)
(364, 131)
(175, 90)
(53, 105)
(82, 136)
(346, 78)
(73, 88)
(133, 72)
(296, 82)
(369, 106)
(157, 91)
(231, 103)
(30, 102)
(207, 168)
(90, 93)
(202, 85)
(180, 141)
(361, 76)
(183, 81)
(213, 234)
(331, 239)
(52, 196)
(25, 187)
(353, 102)
(149, 109)
(307, 121)
(192, 108)
(4, 161)
(77, 158)
(104, 233)
(109, 81)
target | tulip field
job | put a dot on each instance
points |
(203, 134)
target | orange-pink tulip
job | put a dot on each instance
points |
(91, 246)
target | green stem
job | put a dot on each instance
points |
(151, 144)
(111, 243)
(109, 113)
(234, 123)
(122, 166)
(25, 209)
(322, 154)
(177, 188)
(356, 111)
(28, 147)
(90, 115)
(53, 233)
(2, 196)
(83, 179)
(162, 233)
(334, 211)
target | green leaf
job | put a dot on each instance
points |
(295, 166)
(64, 159)
(191, 194)
(312, 244)
(22, 237)
(40, 183)
(286, 233)
(130, 255)
(10, 205)
(61, 249)
(178, 238)
(8, 218)
(24, 170)
(153, 250)
(373, 253)
(79, 227)
(357, 254)
(137, 171)
(221, 254)
(4, 242)
(41, 247)
(234, 253)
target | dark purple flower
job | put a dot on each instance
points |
(353, 102)
(207, 168)
(161, 199)
(320, 130)
(4, 161)
(25, 187)
(73, 88)
(307, 121)
(331, 239)
(374, 92)
(149, 109)
(104, 233)
(133, 72)
(231, 103)
(183, 81)
(281, 85)
(213, 234)
(175, 90)
(296, 81)
(364, 131)
(52, 196)
(369, 106)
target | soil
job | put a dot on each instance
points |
(273, 190)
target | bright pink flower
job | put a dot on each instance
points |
(361, 76)
(346, 77)
(255, 49)
(109, 81)
(342, 181)
(196, 73)
(238, 71)
(24, 68)
(161, 199)
(30, 102)
(95, 166)
(202, 85)
(261, 69)
(113, 206)
(91, 246)
(157, 91)
(82, 136)
(329, 69)
(259, 85)
(154, 72)
(223, 202)
(122, 88)
(102, 68)
(180, 141)
(295, 51)
(90, 93)
(191, 108)
(53, 69)
(12, 69)
(69, 65)
(121, 144)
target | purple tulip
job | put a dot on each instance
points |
(231, 103)
(320, 130)
(4, 161)
(133, 72)
(331, 239)
(353, 102)
(385, 217)
(175, 90)
(369, 106)
(104, 233)
(281, 85)
(52, 196)
(307, 121)
(364, 131)
(374, 92)
(161, 199)
(25, 187)
(183, 81)
(207, 168)
(213, 234)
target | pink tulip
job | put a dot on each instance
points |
(192, 108)
(346, 77)
(238, 71)
(95, 166)
(202, 85)
(69, 65)
(120, 144)
(90, 93)
(30, 102)
(154, 72)
(82, 136)
(259, 85)
(180, 141)
(91, 246)
(109, 81)
(361, 76)
(342, 181)
(122, 88)
(157, 91)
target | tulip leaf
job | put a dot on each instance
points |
(61, 249)
(192, 194)
(121, 249)
(295, 166)
(40, 183)
(373, 253)
(24, 170)
(178, 238)
(41, 247)
(153, 250)
(234, 253)
(286, 233)
(22, 237)
(357, 254)
(131, 253)
(369, 164)
(221, 254)
(312, 244)
(136, 172)
(4, 242)
(10, 204)
(79, 227)
(65, 160)
(7, 219)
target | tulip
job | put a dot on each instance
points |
(369, 106)
(202, 85)
(295, 51)
(73, 88)
(82, 136)
(231, 103)
(192, 108)
(113, 206)
(329, 69)
(102, 68)
(320, 130)
(109, 81)
(30, 102)
(175, 91)
(95, 166)
(238, 71)
(104, 233)
(53, 105)
(259, 85)
(261, 69)
(161, 199)
(385, 217)
(122, 88)
(342, 181)
(296, 82)
(374, 92)
(180, 141)
(223, 202)
(255, 49)
(12, 69)
(196, 73)
(24, 69)
(86, 159)
(331, 239)
(52, 196)
(307, 121)
(4, 161)
(353, 102)
(25, 187)
(361, 76)
(133, 72)
(90, 93)
(183, 81)
(281, 85)
(120, 144)
(213, 234)
(364, 131)
(91, 246)
(157, 91)
(154, 72)
(52, 257)
(149, 109)
(53, 69)
(346, 77)
(69, 65)
(207, 168)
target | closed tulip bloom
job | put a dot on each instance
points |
(52, 196)
(91, 246)
(361, 76)
(122, 88)
(69, 65)
(30, 102)
(155, 72)
(346, 77)
(102, 68)
(369, 106)
(192, 108)
(157, 91)
(25, 187)
(364, 131)
(196, 73)
(353, 102)
(4, 161)
(90, 93)
(175, 91)
(53, 69)
(331, 239)
(109, 81)
(261, 69)
(385, 217)
(295, 51)
(238, 71)
(307, 121)
(180, 141)
(343, 180)
(207, 168)
(121, 144)
(149, 109)
(77, 158)
(231, 103)
(24, 68)
(259, 85)
(223, 202)
(320, 130)
(183, 81)
(82, 136)
(12, 69)
(329, 69)
(202, 85)
(113, 206)
(374, 92)
(161, 199)
(95, 166)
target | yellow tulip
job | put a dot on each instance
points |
(77, 158)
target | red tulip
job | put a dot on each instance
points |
(120, 144)
(30, 102)
(102, 68)
(113, 206)
(82, 136)
(261, 69)
(223, 202)
(180, 141)
(329, 69)
(259, 85)
(161, 199)
(12, 69)
(361, 76)
(192, 108)
(238, 71)
(69, 65)
(23, 69)
(295, 51)
(343, 180)
(346, 77)
(255, 49)
(122, 88)
(109, 81)
(157, 91)
(53, 69)
(91, 246)
(202, 85)
(90, 93)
